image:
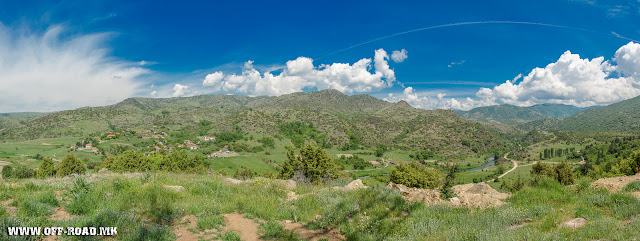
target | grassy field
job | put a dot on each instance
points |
(142, 209)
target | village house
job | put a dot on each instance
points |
(88, 146)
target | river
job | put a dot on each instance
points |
(490, 162)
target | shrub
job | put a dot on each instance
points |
(244, 173)
(564, 174)
(34, 208)
(632, 187)
(312, 165)
(415, 175)
(46, 168)
(7, 172)
(23, 172)
(445, 191)
(69, 165)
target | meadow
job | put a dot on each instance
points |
(143, 209)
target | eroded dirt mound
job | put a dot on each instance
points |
(427, 196)
(471, 195)
(479, 195)
(614, 184)
(357, 184)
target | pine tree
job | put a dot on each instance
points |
(46, 168)
(69, 165)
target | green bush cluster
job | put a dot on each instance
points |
(312, 165)
(177, 161)
(70, 165)
(415, 175)
(561, 172)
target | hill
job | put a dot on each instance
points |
(623, 116)
(339, 118)
(514, 115)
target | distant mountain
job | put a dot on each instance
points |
(623, 116)
(515, 115)
(333, 113)
(9, 120)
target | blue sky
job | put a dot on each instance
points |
(70, 54)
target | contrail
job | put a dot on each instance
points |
(464, 23)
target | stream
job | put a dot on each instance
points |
(490, 162)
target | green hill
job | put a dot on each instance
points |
(623, 116)
(337, 116)
(514, 115)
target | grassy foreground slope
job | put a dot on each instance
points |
(143, 209)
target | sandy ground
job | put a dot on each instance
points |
(247, 228)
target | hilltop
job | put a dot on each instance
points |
(334, 114)
(514, 115)
(623, 116)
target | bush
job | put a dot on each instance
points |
(243, 174)
(69, 165)
(23, 172)
(632, 187)
(312, 165)
(415, 175)
(7, 172)
(46, 168)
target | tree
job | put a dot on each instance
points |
(312, 165)
(69, 165)
(46, 168)
(564, 173)
(380, 149)
(415, 175)
(445, 191)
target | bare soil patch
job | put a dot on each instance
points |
(614, 184)
(471, 195)
(183, 227)
(61, 214)
(247, 228)
(314, 235)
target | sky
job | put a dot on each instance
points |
(58, 55)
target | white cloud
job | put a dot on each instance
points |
(153, 93)
(574, 81)
(427, 100)
(52, 70)
(302, 73)
(456, 63)
(628, 59)
(180, 90)
(399, 56)
(213, 79)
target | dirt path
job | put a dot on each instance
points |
(247, 228)
(515, 165)
(386, 164)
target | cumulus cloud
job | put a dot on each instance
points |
(399, 56)
(153, 93)
(301, 73)
(180, 90)
(432, 100)
(52, 70)
(574, 81)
